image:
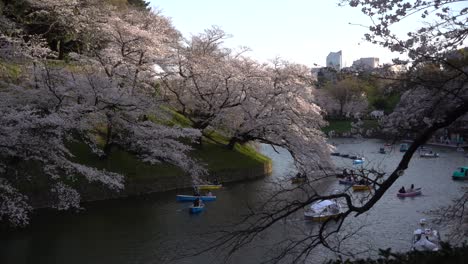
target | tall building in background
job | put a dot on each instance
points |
(366, 63)
(334, 60)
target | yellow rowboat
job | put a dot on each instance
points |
(298, 180)
(209, 187)
(362, 187)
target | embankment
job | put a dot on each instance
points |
(241, 163)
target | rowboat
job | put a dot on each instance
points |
(344, 155)
(209, 186)
(360, 187)
(298, 179)
(322, 210)
(425, 239)
(403, 147)
(196, 209)
(429, 155)
(424, 148)
(346, 182)
(412, 193)
(191, 198)
(340, 175)
(335, 153)
(358, 161)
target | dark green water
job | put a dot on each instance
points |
(155, 228)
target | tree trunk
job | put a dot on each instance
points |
(108, 145)
(232, 143)
(341, 108)
(60, 49)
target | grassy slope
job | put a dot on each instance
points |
(219, 157)
(213, 153)
(216, 157)
(10, 71)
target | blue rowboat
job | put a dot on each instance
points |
(358, 161)
(191, 198)
(196, 209)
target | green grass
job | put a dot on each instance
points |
(339, 126)
(71, 66)
(10, 71)
(212, 152)
(392, 101)
(123, 162)
(215, 154)
(216, 157)
(371, 124)
(175, 120)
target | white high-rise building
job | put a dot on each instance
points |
(366, 63)
(334, 60)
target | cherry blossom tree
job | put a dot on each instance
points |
(281, 111)
(225, 90)
(206, 78)
(111, 85)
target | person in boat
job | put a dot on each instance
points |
(363, 182)
(402, 189)
(216, 181)
(411, 188)
(334, 209)
(197, 202)
(209, 193)
(344, 174)
(353, 176)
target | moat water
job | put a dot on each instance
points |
(157, 229)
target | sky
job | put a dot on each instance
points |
(301, 31)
